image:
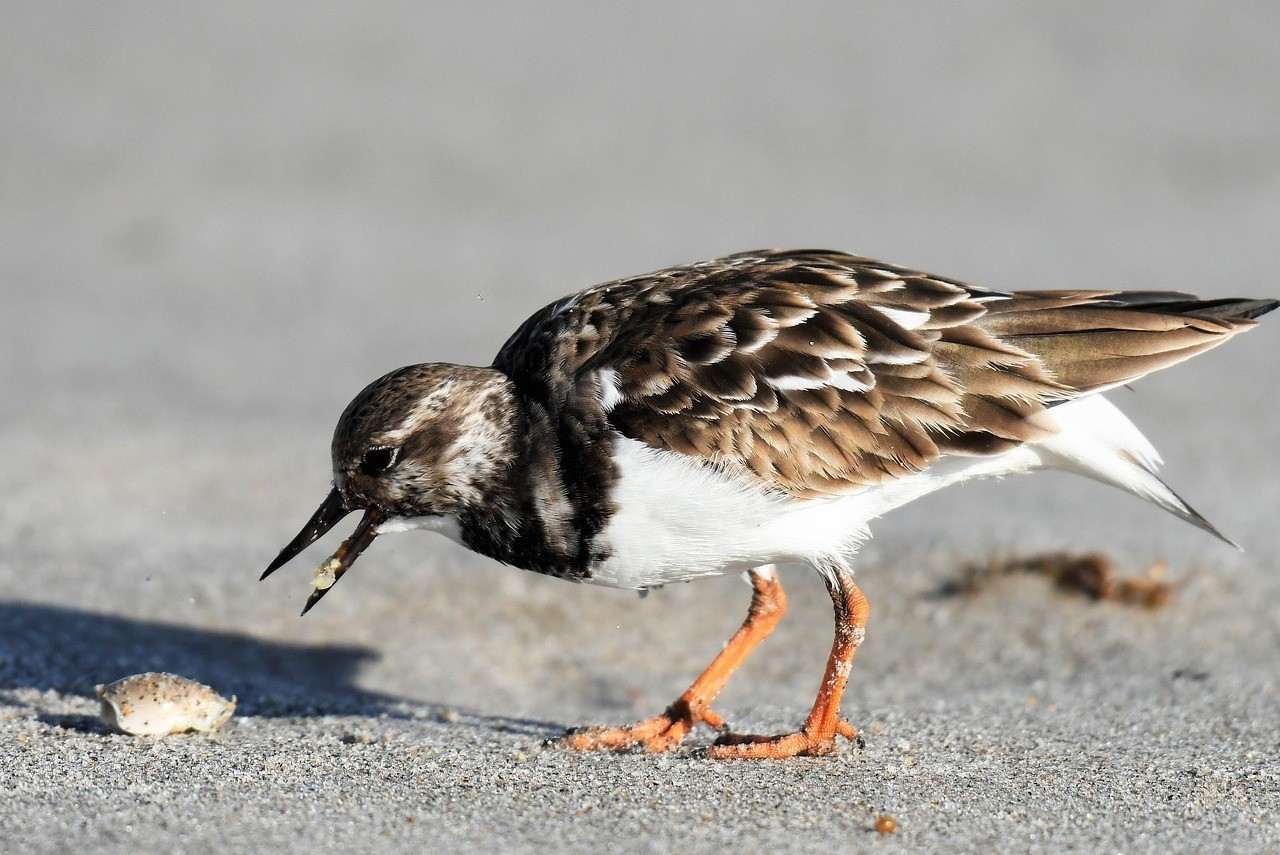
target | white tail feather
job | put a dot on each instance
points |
(1098, 441)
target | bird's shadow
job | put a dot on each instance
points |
(71, 651)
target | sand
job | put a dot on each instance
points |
(216, 226)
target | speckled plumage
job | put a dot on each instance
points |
(753, 409)
(822, 373)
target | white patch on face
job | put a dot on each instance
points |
(431, 404)
(404, 479)
(446, 525)
(482, 448)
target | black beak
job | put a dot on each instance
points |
(330, 514)
(347, 553)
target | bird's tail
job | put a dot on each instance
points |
(1098, 441)
(1091, 341)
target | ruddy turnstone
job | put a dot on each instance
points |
(757, 409)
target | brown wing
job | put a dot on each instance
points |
(822, 373)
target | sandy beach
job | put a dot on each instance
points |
(217, 225)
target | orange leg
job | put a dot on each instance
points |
(665, 731)
(824, 723)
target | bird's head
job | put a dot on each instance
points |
(411, 450)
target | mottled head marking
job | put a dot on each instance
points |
(448, 427)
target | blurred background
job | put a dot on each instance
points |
(219, 221)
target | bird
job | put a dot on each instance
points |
(749, 411)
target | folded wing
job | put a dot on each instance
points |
(822, 373)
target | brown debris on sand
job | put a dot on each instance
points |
(1094, 575)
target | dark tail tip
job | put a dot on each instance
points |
(1237, 308)
(1258, 308)
(1176, 303)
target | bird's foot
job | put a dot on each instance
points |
(653, 735)
(806, 742)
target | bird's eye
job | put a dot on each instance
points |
(379, 459)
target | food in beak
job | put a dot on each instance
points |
(328, 573)
(329, 514)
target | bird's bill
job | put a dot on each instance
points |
(330, 513)
(331, 571)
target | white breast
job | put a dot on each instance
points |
(678, 519)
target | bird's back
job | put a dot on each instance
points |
(820, 374)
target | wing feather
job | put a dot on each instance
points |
(822, 373)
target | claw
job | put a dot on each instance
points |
(808, 743)
(654, 735)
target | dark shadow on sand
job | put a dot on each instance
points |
(71, 651)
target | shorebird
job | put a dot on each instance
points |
(752, 410)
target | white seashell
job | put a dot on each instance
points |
(155, 703)
(326, 574)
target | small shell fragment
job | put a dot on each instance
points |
(326, 574)
(155, 704)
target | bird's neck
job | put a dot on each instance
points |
(539, 508)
